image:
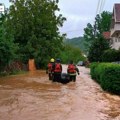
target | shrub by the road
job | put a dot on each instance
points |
(107, 75)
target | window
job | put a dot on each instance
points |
(119, 39)
(111, 41)
(117, 34)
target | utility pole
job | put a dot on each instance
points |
(95, 30)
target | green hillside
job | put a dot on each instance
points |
(77, 42)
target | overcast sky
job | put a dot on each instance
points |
(79, 13)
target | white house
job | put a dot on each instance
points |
(2, 8)
(115, 27)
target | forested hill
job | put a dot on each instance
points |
(77, 42)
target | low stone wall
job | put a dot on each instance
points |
(15, 66)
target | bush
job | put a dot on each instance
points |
(99, 70)
(92, 70)
(111, 79)
(111, 55)
(107, 75)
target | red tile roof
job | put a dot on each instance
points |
(106, 35)
(116, 11)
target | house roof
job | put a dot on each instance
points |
(106, 35)
(116, 12)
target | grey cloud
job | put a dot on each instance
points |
(78, 14)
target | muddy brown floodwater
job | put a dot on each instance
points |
(32, 96)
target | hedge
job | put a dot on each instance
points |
(92, 70)
(107, 75)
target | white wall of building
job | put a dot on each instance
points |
(116, 43)
(2, 8)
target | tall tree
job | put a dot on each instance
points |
(88, 36)
(7, 47)
(103, 22)
(71, 53)
(93, 32)
(36, 28)
(97, 49)
(93, 35)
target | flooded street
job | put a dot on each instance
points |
(32, 96)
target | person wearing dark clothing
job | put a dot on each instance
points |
(57, 68)
(72, 70)
(49, 69)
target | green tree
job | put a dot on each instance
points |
(93, 32)
(97, 49)
(71, 53)
(103, 22)
(88, 36)
(36, 28)
(7, 47)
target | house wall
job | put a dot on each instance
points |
(2, 8)
(115, 42)
(115, 36)
(115, 29)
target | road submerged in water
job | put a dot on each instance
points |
(32, 96)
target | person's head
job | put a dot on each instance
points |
(52, 60)
(58, 60)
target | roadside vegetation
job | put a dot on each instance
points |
(104, 61)
(95, 42)
(30, 30)
(107, 75)
(71, 53)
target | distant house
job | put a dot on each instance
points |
(115, 27)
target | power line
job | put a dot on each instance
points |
(104, 4)
(99, 9)
(100, 6)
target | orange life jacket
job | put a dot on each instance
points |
(57, 67)
(71, 68)
(49, 67)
